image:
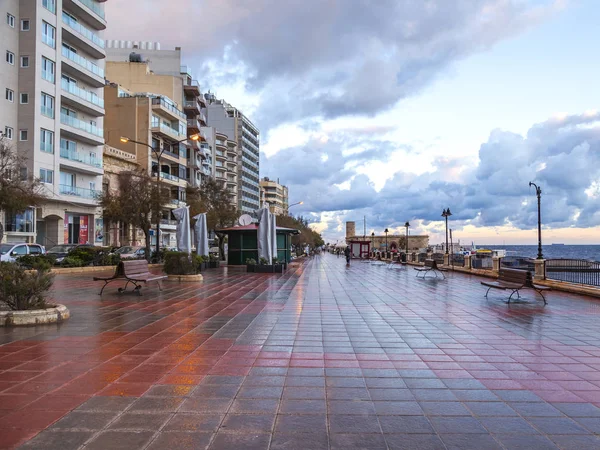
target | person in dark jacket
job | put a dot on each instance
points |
(347, 253)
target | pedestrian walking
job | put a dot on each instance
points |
(347, 253)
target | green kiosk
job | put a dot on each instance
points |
(243, 243)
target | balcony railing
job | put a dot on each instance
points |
(85, 32)
(94, 6)
(168, 176)
(73, 155)
(83, 62)
(65, 189)
(186, 70)
(82, 94)
(170, 107)
(81, 125)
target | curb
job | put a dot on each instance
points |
(58, 314)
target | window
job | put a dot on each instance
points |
(10, 58)
(47, 105)
(10, 20)
(50, 5)
(67, 146)
(8, 132)
(35, 249)
(48, 34)
(10, 95)
(46, 141)
(24, 61)
(23, 173)
(25, 25)
(92, 185)
(67, 179)
(47, 176)
(22, 135)
(48, 70)
(24, 98)
(20, 223)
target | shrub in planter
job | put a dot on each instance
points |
(71, 261)
(104, 258)
(200, 262)
(263, 261)
(180, 263)
(251, 265)
(36, 262)
(86, 255)
(21, 289)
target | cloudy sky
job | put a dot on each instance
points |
(396, 109)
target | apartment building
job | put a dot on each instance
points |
(233, 123)
(52, 75)
(275, 194)
(150, 125)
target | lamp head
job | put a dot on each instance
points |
(407, 224)
(124, 139)
(448, 212)
(195, 137)
(386, 230)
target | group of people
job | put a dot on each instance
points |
(346, 252)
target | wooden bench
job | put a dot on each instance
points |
(430, 266)
(515, 280)
(135, 272)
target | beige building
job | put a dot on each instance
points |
(115, 162)
(152, 119)
(275, 194)
(52, 78)
(395, 242)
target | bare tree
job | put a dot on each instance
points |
(18, 189)
(214, 200)
(136, 200)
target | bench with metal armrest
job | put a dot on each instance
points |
(515, 280)
(135, 272)
(430, 266)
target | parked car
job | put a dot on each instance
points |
(131, 252)
(10, 252)
(61, 251)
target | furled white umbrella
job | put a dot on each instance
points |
(201, 235)
(184, 239)
(273, 231)
(264, 235)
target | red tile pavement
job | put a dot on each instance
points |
(371, 356)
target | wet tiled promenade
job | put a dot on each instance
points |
(322, 357)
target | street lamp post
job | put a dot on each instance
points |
(407, 225)
(538, 192)
(372, 242)
(386, 246)
(446, 213)
(287, 211)
(158, 155)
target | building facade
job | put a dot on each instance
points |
(394, 242)
(275, 194)
(52, 78)
(152, 120)
(238, 128)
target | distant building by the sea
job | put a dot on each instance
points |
(395, 242)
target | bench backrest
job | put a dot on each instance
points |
(514, 276)
(136, 267)
(431, 263)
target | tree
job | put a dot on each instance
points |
(18, 191)
(214, 200)
(307, 235)
(134, 203)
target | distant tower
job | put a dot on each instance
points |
(350, 229)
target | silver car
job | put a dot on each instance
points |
(10, 252)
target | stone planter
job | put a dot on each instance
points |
(214, 264)
(265, 268)
(203, 266)
(57, 314)
(186, 278)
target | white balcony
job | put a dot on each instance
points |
(80, 162)
(77, 194)
(91, 10)
(81, 130)
(81, 36)
(83, 68)
(81, 99)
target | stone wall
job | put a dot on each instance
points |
(399, 241)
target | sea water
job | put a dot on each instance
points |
(589, 252)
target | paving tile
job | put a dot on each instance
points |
(58, 440)
(248, 423)
(526, 442)
(444, 409)
(120, 440)
(347, 423)
(178, 440)
(557, 425)
(470, 442)
(156, 404)
(306, 423)
(414, 441)
(507, 425)
(406, 425)
(84, 420)
(205, 405)
(299, 441)
(578, 409)
(141, 422)
(483, 409)
(194, 422)
(577, 442)
(303, 407)
(254, 406)
(228, 441)
(526, 409)
(462, 425)
(357, 442)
